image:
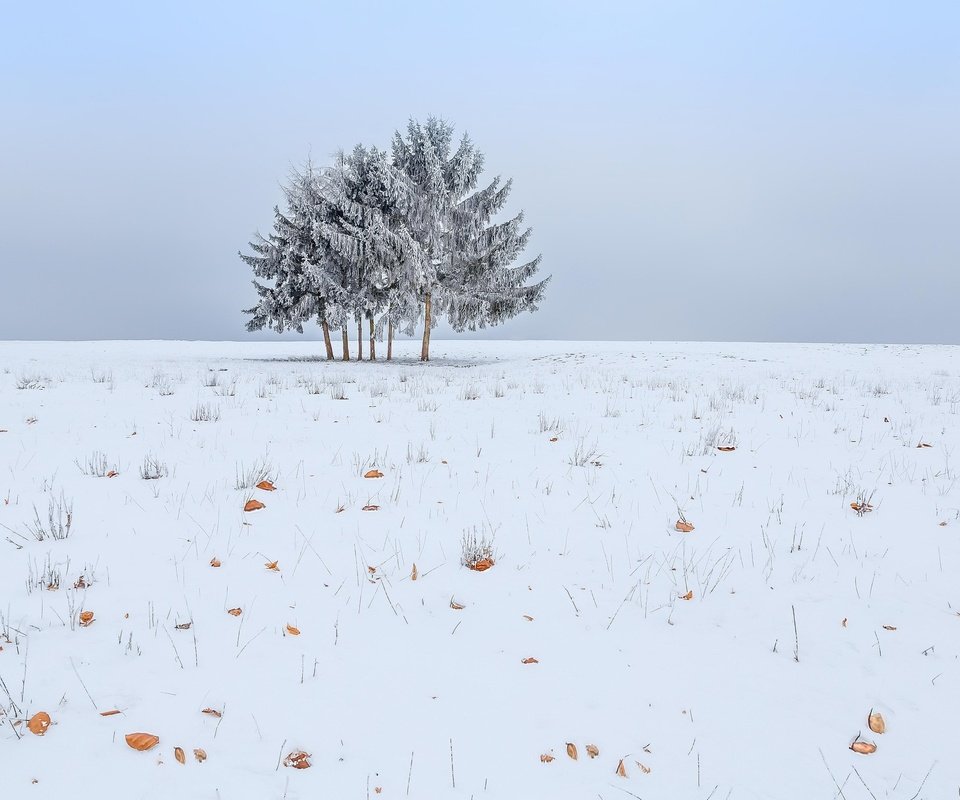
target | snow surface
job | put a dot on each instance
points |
(395, 693)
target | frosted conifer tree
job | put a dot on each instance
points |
(465, 267)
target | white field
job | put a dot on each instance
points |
(396, 694)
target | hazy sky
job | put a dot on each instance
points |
(713, 170)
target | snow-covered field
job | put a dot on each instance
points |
(738, 660)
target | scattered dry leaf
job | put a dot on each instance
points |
(844, 623)
(253, 505)
(644, 768)
(876, 722)
(726, 448)
(864, 748)
(923, 444)
(200, 754)
(266, 486)
(179, 755)
(572, 750)
(184, 626)
(297, 759)
(861, 508)
(112, 473)
(292, 630)
(39, 723)
(554, 438)
(530, 660)
(373, 473)
(235, 612)
(592, 750)
(528, 618)
(110, 713)
(86, 618)
(621, 769)
(546, 758)
(683, 526)
(413, 573)
(212, 712)
(482, 565)
(889, 627)
(214, 562)
(687, 596)
(142, 741)
(456, 606)
(370, 507)
(272, 565)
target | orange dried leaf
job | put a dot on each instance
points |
(876, 722)
(110, 713)
(297, 759)
(546, 758)
(253, 505)
(530, 660)
(413, 573)
(370, 507)
(864, 748)
(272, 565)
(39, 723)
(373, 473)
(572, 750)
(86, 618)
(455, 605)
(200, 754)
(142, 741)
(621, 769)
(214, 562)
(683, 526)
(726, 448)
(112, 473)
(482, 565)
(687, 596)
(592, 750)
(293, 631)
(179, 755)
(235, 612)
(266, 486)
(212, 712)
(644, 769)
(184, 626)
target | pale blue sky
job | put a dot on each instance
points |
(714, 170)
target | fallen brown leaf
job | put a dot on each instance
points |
(621, 769)
(482, 565)
(253, 505)
(214, 562)
(572, 750)
(546, 758)
(592, 750)
(235, 612)
(212, 712)
(683, 526)
(530, 660)
(370, 507)
(413, 573)
(864, 748)
(267, 486)
(889, 627)
(200, 754)
(272, 565)
(110, 713)
(179, 755)
(39, 723)
(86, 618)
(373, 473)
(876, 722)
(297, 759)
(292, 630)
(456, 606)
(687, 596)
(142, 741)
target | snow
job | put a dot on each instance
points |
(396, 694)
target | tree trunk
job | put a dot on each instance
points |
(359, 339)
(346, 343)
(427, 319)
(389, 341)
(373, 341)
(326, 341)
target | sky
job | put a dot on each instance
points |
(736, 171)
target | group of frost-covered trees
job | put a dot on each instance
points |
(388, 241)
